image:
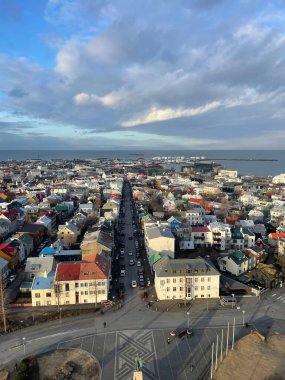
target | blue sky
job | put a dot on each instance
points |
(103, 74)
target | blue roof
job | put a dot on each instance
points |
(41, 283)
(49, 251)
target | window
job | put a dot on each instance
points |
(82, 293)
(167, 289)
(196, 287)
(91, 292)
(174, 289)
(38, 295)
(196, 279)
(208, 287)
(48, 303)
(86, 284)
(85, 301)
(209, 279)
(181, 289)
(209, 295)
(99, 291)
(103, 283)
(48, 294)
(38, 303)
(181, 279)
(86, 293)
(67, 287)
(174, 280)
(81, 285)
(202, 287)
(91, 283)
(99, 283)
(202, 279)
(67, 302)
(202, 295)
(167, 280)
(76, 284)
(103, 291)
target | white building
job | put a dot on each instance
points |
(185, 279)
(202, 236)
(159, 239)
(235, 263)
(195, 216)
(221, 235)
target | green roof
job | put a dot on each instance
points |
(154, 258)
(247, 232)
(180, 201)
(236, 234)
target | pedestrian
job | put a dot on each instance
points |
(168, 340)
(16, 367)
(105, 324)
(191, 367)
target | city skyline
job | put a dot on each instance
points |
(204, 74)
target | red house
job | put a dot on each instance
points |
(37, 231)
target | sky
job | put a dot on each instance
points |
(143, 74)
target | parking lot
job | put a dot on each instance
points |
(181, 359)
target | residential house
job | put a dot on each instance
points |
(267, 275)
(235, 263)
(27, 241)
(196, 216)
(221, 235)
(10, 253)
(43, 292)
(237, 239)
(274, 237)
(46, 222)
(68, 233)
(185, 279)
(159, 239)
(87, 208)
(4, 268)
(249, 238)
(96, 242)
(39, 267)
(202, 236)
(37, 231)
(173, 222)
(281, 246)
(4, 228)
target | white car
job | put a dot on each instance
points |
(130, 253)
(122, 273)
(134, 284)
(122, 251)
(139, 264)
(12, 278)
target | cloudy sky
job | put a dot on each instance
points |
(143, 74)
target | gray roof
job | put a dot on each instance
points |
(167, 267)
(39, 264)
(156, 232)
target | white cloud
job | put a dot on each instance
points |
(111, 100)
(156, 114)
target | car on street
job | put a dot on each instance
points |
(130, 253)
(134, 284)
(131, 262)
(122, 273)
(181, 331)
(139, 264)
(140, 271)
(130, 238)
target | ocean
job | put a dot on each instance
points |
(258, 168)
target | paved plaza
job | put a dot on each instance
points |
(116, 352)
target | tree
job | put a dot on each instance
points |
(3, 302)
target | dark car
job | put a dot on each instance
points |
(181, 331)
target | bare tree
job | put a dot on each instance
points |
(3, 302)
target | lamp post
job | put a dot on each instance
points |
(24, 345)
(60, 320)
(281, 284)
(233, 300)
(188, 319)
(259, 288)
(243, 317)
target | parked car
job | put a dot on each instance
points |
(130, 253)
(12, 278)
(122, 273)
(134, 284)
(131, 262)
(139, 264)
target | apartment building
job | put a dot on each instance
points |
(185, 279)
(221, 234)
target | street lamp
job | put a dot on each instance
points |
(60, 320)
(243, 317)
(24, 345)
(188, 319)
(233, 300)
(281, 284)
(259, 288)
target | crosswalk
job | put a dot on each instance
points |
(279, 298)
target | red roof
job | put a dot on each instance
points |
(67, 271)
(200, 229)
(277, 236)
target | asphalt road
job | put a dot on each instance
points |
(135, 330)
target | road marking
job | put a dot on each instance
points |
(102, 362)
(279, 297)
(184, 371)
(273, 295)
(167, 349)
(155, 354)
(16, 346)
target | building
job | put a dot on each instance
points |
(185, 279)
(68, 233)
(195, 216)
(221, 234)
(235, 263)
(159, 239)
(202, 236)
